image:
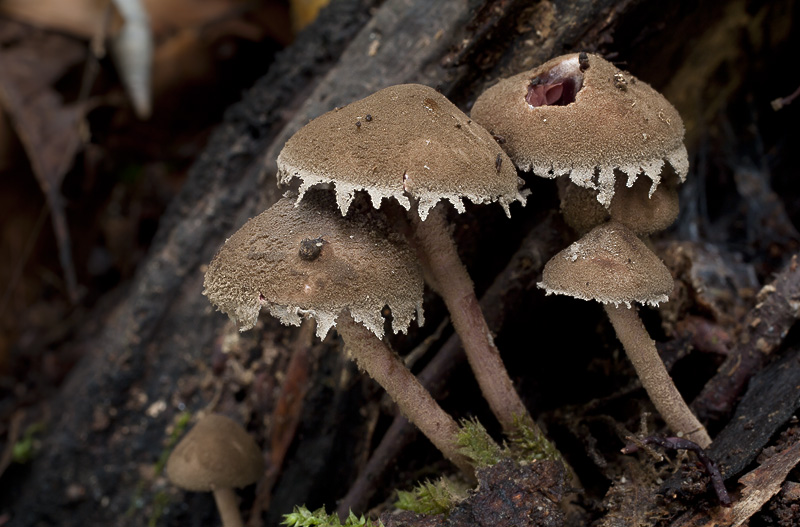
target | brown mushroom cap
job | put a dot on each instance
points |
(216, 453)
(613, 122)
(579, 206)
(609, 265)
(360, 266)
(403, 140)
(633, 206)
(644, 212)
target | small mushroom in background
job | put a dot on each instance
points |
(217, 455)
(359, 268)
(604, 121)
(410, 143)
(612, 266)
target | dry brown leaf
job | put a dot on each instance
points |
(48, 129)
(305, 11)
(81, 18)
(85, 18)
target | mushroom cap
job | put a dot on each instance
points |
(579, 206)
(405, 140)
(609, 265)
(359, 265)
(615, 122)
(644, 212)
(216, 453)
(632, 206)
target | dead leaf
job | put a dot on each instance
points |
(48, 129)
(81, 18)
(133, 53)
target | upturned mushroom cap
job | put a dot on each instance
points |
(402, 141)
(633, 206)
(609, 265)
(217, 453)
(309, 260)
(585, 119)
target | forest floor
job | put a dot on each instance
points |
(108, 350)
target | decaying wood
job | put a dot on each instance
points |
(772, 398)
(764, 329)
(769, 404)
(759, 486)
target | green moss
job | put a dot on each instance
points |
(302, 517)
(526, 443)
(25, 449)
(160, 502)
(476, 443)
(181, 423)
(431, 497)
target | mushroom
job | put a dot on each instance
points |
(410, 143)
(631, 206)
(359, 268)
(579, 115)
(217, 455)
(612, 266)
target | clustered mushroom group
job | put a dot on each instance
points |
(329, 254)
(582, 117)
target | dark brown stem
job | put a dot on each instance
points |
(641, 350)
(416, 403)
(439, 256)
(228, 507)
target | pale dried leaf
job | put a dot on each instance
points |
(133, 54)
(81, 18)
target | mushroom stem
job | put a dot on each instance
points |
(228, 507)
(414, 401)
(441, 263)
(641, 350)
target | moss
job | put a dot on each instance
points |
(160, 502)
(181, 423)
(431, 497)
(302, 517)
(528, 444)
(476, 443)
(25, 449)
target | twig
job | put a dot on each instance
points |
(422, 348)
(286, 418)
(679, 443)
(780, 102)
